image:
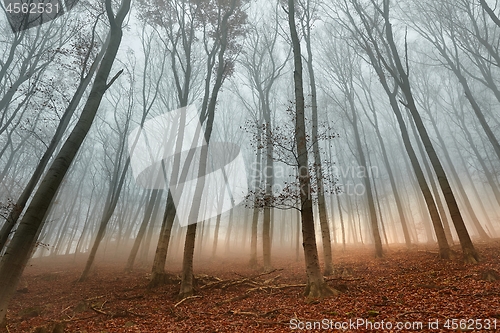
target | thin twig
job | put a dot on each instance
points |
(135, 313)
(341, 278)
(99, 311)
(69, 306)
(74, 319)
(184, 299)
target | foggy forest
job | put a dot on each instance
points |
(249, 166)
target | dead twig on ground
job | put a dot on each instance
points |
(256, 314)
(68, 307)
(73, 319)
(224, 284)
(259, 288)
(99, 311)
(185, 299)
(342, 278)
(135, 313)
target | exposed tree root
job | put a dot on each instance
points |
(470, 256)
(328, 270)
(184, 294)
(490, 275)
(444, 253)
(314, 291)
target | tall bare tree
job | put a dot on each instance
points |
(316, 285)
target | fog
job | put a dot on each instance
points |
(182, 138)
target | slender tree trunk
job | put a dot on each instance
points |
(490, 12)
(268, 175)
(478, 197)
(481, 232)
(256, 212)
(323, 215)
(367, 183)
(394, 187)
(146, 244)
(297, 236)
(187, 277)
(432, 182)
(489, 177)
(108, 213)
(158, 275)
(217, 225)
(142, 230)
(316, 286)
(229, 230)
(245, 228)
(475, 107)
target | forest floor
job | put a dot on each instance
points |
(412, 288)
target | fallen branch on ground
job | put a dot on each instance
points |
(185, 299)
(343, 279)
(249, 291)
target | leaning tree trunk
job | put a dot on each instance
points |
(432, 182)
(367, 183)
(469, 252)
(142, 230)
(481, 232)
(146, 243)
(376, 61)
(159, 275)
(19, 250)
(187, 277)
(316, 286)
(392, 181)
(487, 172)
(490, 12)
(444, 249)
(475, 106)
(108, 213)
